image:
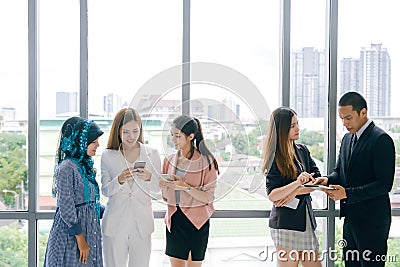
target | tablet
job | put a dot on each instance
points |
(318, 187)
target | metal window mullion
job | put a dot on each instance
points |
(332, 44)
(83, 63)
(285, 53)
(33, 133)
(186, 58)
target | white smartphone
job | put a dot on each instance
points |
(293, 203)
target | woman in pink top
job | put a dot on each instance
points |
(190, 193)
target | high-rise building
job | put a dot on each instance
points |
(66, 102)
(350, 75)
(307, 89)
(371, 76)
(375, 67)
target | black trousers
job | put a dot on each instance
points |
(366, 243)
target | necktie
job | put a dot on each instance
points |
(353, 142)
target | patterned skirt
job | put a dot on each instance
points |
(296, 240)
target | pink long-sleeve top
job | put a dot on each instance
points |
(198, 175)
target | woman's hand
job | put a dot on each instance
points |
(179, 184)
(125, 175)
(282, 202)
(175, 184)
(142, 173)
(83, 248)
(305, 177)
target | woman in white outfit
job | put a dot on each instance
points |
(128, 219)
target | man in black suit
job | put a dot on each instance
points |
(363, 177)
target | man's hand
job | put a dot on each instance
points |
(338, 194)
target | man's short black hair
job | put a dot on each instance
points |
(353, 99)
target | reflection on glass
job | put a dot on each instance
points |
(232, 242)
(240, 36)
(13, 243)
(13, 106)
(138, 40)
(234, 103)
(308, 81)
(308, 59)
(59, 83)
(368, 58)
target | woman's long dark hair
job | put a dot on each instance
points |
(189, 125)
(278, 143)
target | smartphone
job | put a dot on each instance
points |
(139, 164)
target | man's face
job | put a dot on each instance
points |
(351, 119)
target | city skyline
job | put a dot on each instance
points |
(307, 88)
(116, 70)
(369, 74)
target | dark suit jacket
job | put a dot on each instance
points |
(287, 218)
(367, 176)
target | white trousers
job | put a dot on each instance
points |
(126, 248)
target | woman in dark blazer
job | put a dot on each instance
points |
(287, 166)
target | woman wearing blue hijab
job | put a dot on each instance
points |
(75, 237)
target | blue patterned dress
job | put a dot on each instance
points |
(73, 216)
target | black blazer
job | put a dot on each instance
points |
(287, 218)
(367, 176)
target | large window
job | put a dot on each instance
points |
(130, 43)
(368, 60)
(58, 54)
(221, 61)
(13, 105)
(238, 95)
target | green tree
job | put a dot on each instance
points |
(310, 138)
(395, 129)
(13, 247)
(317, 152)
(393, 252)
(240, 144)
(13, 167)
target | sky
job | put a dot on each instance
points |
(123, 55)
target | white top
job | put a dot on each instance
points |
(130, 201)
